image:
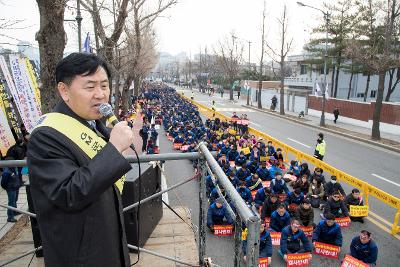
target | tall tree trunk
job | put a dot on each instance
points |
(116, 93)
(367, 87)
(350, 82)
(230, 89)
(391, 88)
(332, 79)
(282, 91)
(125, 95)
(51, 39)
(339, 61)
(376, 134)
(259, 104)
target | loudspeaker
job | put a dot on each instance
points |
(151, 212)
(37, 240)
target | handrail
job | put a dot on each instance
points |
(368, 189)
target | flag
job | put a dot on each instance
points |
(86, 45)
(326, 92)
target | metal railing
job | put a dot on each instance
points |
(367, 189)
(208, 166)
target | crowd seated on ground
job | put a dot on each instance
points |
(284, 195)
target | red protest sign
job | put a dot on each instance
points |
(326, 250)
(263, 262)
(276, 238)
(232, 163)
(267, 220)
(308, 230)
(297, 260)
(177, 146)
(253, 193)
(343, 222)
(223, 230)
(349, 261)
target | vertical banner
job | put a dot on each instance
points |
(7, 108)
(29, 111)
(33, 81)
(6, 137)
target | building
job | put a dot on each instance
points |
(306, 76)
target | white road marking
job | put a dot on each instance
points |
(243, 110)
(256, 124)
(383, 178)
(300, 143)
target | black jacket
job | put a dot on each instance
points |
(337, 208)
(330, 188)
(306, 217)
(78, 207)
(268, 208)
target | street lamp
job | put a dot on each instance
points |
(327, 18)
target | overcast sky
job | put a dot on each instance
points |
(188, 26)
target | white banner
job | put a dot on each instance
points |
(6, 137)
(29, 111)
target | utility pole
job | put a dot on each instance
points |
(79, 21)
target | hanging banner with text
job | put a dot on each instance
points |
(33, 81)
(6, 137)
(8, 110)
(297, 260)
(30, 111)
(326, 250)
(359, 211)
(350, 261)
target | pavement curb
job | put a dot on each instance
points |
(371, 142)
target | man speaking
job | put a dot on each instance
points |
(77, 171)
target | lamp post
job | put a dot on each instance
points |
(327, 18)
(79, 21)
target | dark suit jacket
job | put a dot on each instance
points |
(79, 210)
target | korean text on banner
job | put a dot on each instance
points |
(358, 211)
(326, 250)
(8, 110)
(350, 261)
(6, 137)
(33, 81)
(297, 260)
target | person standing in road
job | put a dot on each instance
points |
(320, 148)
(336, 114)
(238, 94)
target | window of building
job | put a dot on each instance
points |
(360, 94)
(373, 93)
(303, 69)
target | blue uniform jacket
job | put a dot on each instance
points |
(265, 245)
(277, 222)
(245, 193)
(232, 155)
(264, 174)
(242, 174)
(278, 187)
(252, 167)
(292, 240)
(240, 160)
(274, 170)
(260, 197)
(367, 253)
(328, 234)
(251, 183)
(220, 213)
(293, 199)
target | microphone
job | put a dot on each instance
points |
(107, 111)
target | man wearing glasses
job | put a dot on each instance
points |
(336, 206)
(291, 237)
(364, 248)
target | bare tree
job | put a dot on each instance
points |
(229, 59)
(380, 57)
(51, 39)
(260, 73)
(285, 47)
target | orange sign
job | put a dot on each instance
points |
(253, 193)
(308, 230)
(326, 250)
(177, 146)
(223, 230)
(350, 261)
(267, 220)
(292, 207)
(300, 259)
(343, 222)
(276, 238)
(262, 262)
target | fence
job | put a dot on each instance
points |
(208, 165)
(290, 152)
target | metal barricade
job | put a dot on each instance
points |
(207, 165)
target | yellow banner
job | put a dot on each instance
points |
(246, 150)
(32, 77)
(8, 111)
(359, 211)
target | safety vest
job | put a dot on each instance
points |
(87, 140)
(321, 148)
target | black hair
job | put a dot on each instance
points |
(355, 190)
(330, 217)
(281, 206)
(79, 64)
(365, 232)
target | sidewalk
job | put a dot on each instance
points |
(363, 134)
(171, 237)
